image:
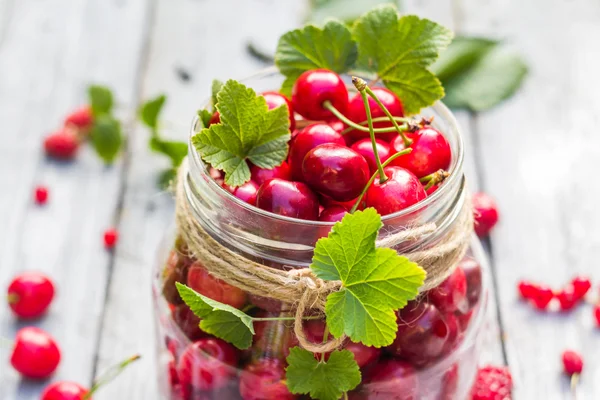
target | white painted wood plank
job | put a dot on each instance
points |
(49, 52)
(539, 152)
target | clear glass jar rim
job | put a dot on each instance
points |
(449, 184)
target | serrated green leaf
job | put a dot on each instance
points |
(311, 47)
(205, 117)
(216, 87)
(375, 281)
(400, 49)
(150, 110)
(106, 137)
(462, 53)
(218, 319)
(494, 78)
(248, 131)
(344, 10)
(322, 380)
(176, 151)
(101, 99)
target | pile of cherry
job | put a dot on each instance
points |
(331, 161)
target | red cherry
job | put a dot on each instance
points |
(422, 333)
(309, 138)
(391, 379)
(472, 271)
(30, 294)
(291, 199)
(451, 294)
(61, 145)
(597, 314)
(41, 195)
(202, 282)
(264, 380)
(188, 322)
(273, 339)
(581, 285)
(64, 391)
(315, 87)
(333, 214)
(110, 238)
(35, 354)
(261, 175)
(430, 152)
(485, 212)
(449, 383)
(336, 171)
(215, 119)
(454, 333)
(337, 125)
(572, 362)
(247, 192)
(276, 99)
(207, 364)
(329, 202)
(266, 303)
(357, 113)
(542, 297)
(173, 377)
(363, 355)
(401, 190)
(364, 147)
(82, 118)
(527, 290)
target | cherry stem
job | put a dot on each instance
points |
(12, 298)
(325, 337)
(284, 318)
(407, 141)
(372, 179)
(574, 381)
(404, 127)
(345, 395)
(327, 104)
(109, 375)
(382, 177)
(435, 178)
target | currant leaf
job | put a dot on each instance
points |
(205, 117)
(101, 99)
(150, 110)
(390, 45)
(106, 137)
(176, 151)
(216, 87)
(345, 10)
(375, 281)
(248, 131)
(460, 56)
(218, 319)
(322, 380)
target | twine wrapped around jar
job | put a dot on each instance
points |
(300, 287)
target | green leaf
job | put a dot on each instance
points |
(106, 137)
(462, 53)
(375, 281)
(176, 151)
(205, 117)
(216, 87)
(166, 178)
(400, 50)
(149, 111)
(311, 47)
(345, 10)
(248, 131)
(494, 78)
(322, 380)
(218, 319)
(101, 99)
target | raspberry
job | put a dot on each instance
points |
(492, 383)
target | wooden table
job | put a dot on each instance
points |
(535, 154)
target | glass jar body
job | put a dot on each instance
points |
(439, 335)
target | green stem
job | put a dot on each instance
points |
(325, 337)
(283, 318)
(407, 141)
(109, 375)
(327, 104)
(435, 178)
(372, 179)
(403, 127)
(382, 177)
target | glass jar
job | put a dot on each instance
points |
(438, 343)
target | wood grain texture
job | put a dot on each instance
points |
(49, 52)
(537, 155)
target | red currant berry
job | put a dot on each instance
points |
(572, 362)
(332, 214)
(264, 380)
(309, 138)
(492, 383)
(30, 294)
(451, 294)
(430, 152)
(276, 99)
(542, 297)
(527, 290)
(391, 379)
(61, 145)
(485, 212)
(65, 391)
(402, 189)
(110, 238)
(207, 364)
(35, 354)
(82, 118)
(247, 192)
(291, 199)
(364, 147)
(358, 114)
(41, 195)
(202, 282)
(567, 298)
(315, 87)
(261, 175)
(336, 171)
(581, 285)
(597, 314)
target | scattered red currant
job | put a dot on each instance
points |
(581, 285)
(41, 195)
(492, 383)
(542, 296)
(111, 236)
(597, 314)
(30, 294)
(527, 290)
(572, 362)
(567, 298)
(485, 212)
(82, 118)
(61, 145)
(35, 354)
